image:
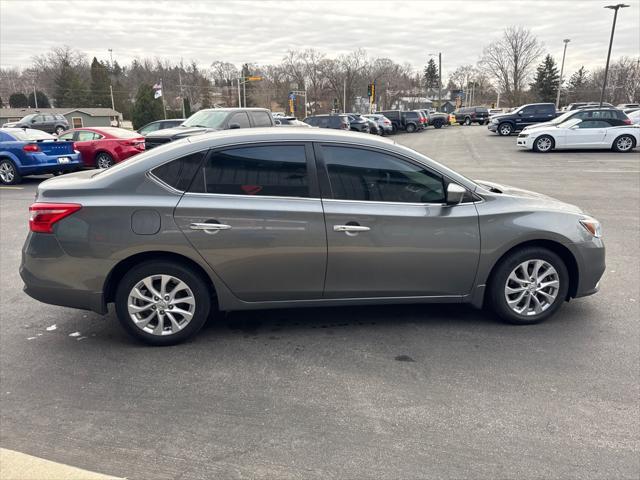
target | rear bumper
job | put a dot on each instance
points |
(52, 276)
(43, 163)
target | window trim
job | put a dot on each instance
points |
(327, 193)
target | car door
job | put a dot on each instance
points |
(254, 214)
(525, 117)
(85, 143)
(589, 133)
(389, 231)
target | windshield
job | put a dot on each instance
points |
(207, 119)
(562, 117)
(27, 118)
(29, 134)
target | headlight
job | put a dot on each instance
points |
(523, 135)
(494, 120)
(592, 226)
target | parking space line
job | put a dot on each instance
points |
(11, 188)
(613, 171)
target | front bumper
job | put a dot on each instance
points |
(525, 142)
(493, 127)
(591, 266)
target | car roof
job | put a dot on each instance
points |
(284, 133)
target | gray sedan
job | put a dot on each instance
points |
(291, 217)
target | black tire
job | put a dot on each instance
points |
(437, 124)
(544, 144)
(620, 143)
(499, 277)
(104, 160)
(9, 174)
(467, 121)
(505, 129)
(197, 284)
(411, 128)
(59, 129)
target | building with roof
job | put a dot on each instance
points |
(77, 117)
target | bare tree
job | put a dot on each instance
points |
(510, 61)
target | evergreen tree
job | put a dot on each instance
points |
(546, 81)
(70, 90)
(43, 100)
(578, 82)
(146, 108)
(18, 100)
(100, 82)
(431, 75)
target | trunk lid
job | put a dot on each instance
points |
(55, 147)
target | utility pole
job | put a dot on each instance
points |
(111, 56)
(344, 92)
(613, 29)
(239, 99)
(566, 40)
(440, 81)
(35, 96)
(113, 105)
(184, 114)
(164, 107)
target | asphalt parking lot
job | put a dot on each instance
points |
(376, 392)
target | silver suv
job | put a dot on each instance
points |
(290, 217)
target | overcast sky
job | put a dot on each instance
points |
(262, 31)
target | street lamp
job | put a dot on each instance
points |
(566, 40)
(613, 29)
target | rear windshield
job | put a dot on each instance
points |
(120, 132)
(29, 134)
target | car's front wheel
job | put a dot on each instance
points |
(9, 174)
(543, 144)
(528, 286)
(467, 121)
(104, 160)
(162, 303)
(505, 129)
(624, 143)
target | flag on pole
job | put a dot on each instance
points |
(158, 90)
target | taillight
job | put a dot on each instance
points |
(387, 122)
(31, 147)
(42, 216)
(627, 121)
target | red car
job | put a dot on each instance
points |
(103, 147)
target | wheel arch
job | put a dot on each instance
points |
(119, 270)
(556, 247)
(615, 139)
(5, 155)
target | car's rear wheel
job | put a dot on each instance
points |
(505, 129)
(528, 286)
(411, 128)
(162, 303)
(543, 144)
(624, 143)
(104, 160)
(9, 174)
(437, 124)
(467, 121)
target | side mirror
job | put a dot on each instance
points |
(33, 120)
(573, 127)
(233, 126)
(455, 193)
(519, 114)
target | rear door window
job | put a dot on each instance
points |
(265, 170)
(260, 119)
(84, 136)
(241, 118)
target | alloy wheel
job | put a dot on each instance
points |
(505, 129)
(543, 144)
(532, 287)
(624, 143)
(161, 305)
(104, 161)
(7, 172)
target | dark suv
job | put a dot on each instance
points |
(338, 122)
(522, 117)
(469, 115)
(47, 122)
(408, 121)
(210, 120)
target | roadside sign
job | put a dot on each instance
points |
(253, 79)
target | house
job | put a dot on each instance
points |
(77, 117)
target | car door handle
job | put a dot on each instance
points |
(212, 227)
(350, 228)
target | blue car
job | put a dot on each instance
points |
(25, 151)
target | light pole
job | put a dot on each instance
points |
(564, 52)
(613, 29)
(111, 56)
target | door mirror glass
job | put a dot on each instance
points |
(455, 193)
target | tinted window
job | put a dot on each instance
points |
(528, 111)
(359, 174)
(241, 118)
(179, 173)
(152, 127)
(593, 124)
(276, 170)
(261, 119)
(545, 109)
